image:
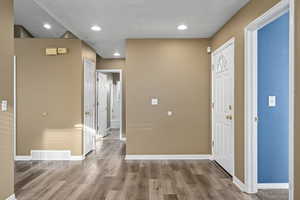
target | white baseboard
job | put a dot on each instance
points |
(168, 157)
(49, 155)
(23, 158)
(239, 184)
(75, 158)
(265, 186)
(12, 197)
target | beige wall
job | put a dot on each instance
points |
(177, 71)
(116, 64)
(52, 85)
(6, 92)
(235, 28)
(297, 99)
(110, 63)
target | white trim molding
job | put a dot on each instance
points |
(291, 99)
(251, 116)
(272, 186)
(50, 155)
(23, 158)
(15, 107)
(11, 197)
(169, 157)
(239, 183)
(77, 158)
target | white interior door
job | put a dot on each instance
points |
(102, 103)
(89, 105)
(116, 111)
(223, 109)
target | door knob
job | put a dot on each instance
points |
(229, 117)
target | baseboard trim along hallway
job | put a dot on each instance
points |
(23, 158)
(169, 157)
(12, 197)
(239, 184)
(264, 186)
(49, 155)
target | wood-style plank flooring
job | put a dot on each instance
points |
(105, 175)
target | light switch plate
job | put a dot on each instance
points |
(154, 101)
(4, 105)
(272, 101)
(170, 113)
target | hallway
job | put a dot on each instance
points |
(105, 175)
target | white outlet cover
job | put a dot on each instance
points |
(272, 101)
(170, 113)
(154, 101)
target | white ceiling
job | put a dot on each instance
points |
(122, 19)
(32, 17)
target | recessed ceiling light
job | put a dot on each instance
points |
(47, 26)
(117, 54)
(96, 28)
(182, 27)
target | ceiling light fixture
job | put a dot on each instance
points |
(96, 28)
(47, 26)
(182, 27)
(117, 54)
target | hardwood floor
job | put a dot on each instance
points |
(105, 175)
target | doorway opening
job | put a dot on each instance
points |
(109, 104)
(269, 102)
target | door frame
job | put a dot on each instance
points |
(15, 107)
(225, 45)
(251, 116)
(121, 98)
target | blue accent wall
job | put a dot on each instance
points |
(273, 80)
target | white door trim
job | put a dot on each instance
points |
(225, 45)
(15, 108)
(251, 93)
(121, 92)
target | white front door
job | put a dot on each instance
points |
(223, 106)
(103, 87)
(89, 130)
